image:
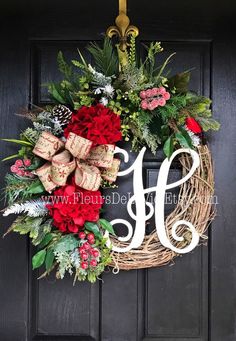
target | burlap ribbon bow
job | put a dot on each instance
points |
(90, 164)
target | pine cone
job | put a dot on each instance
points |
(62, 114)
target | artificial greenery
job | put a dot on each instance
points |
(128, 74)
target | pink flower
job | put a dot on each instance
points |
(19, 163)
(154, 91)
(149, 93)
(151, 106)
(155, 103)
(144, 105)
(166, 95)
(162, 101)
(143, 94)
(27, 162)
(162, 90)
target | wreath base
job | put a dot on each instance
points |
(195, 206)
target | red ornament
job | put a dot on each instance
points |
(96, 123)
(193, 125)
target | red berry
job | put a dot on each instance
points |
(84, 255)
(19, 163)
(93, 262)
(95, 253)
(81, 249)
(91, 241)
(82, 235)
(86, 246)
(90, 236)
(84, 265)
(27, 162)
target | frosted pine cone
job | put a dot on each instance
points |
(62, 114)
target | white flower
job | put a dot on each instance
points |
(109, 90)
(98, 91)
(195, 139)
(104, 101)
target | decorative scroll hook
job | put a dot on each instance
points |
(123, 30)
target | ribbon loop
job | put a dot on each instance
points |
(62, 167)
(76, 155)
(87, 176)
(110, 174)
(101, 156)
(47, 146)
(78, 146)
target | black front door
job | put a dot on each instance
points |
(192, 299)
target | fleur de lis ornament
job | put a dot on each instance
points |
(123, 30)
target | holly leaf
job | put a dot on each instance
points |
(93, 227)
(169, 147)
(183, 138)
(49, 259)
(180, 82)
(106, 225)
(38, 259)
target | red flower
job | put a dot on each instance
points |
(96, 123)
(193, 125)
(72, 206)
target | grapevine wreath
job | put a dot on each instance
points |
(67, 156)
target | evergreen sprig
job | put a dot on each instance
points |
(105, 57)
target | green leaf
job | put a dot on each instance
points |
(21, 225)
(106, 225)
(46, 240)
(35, 188)
(105, 57)
(164, 66)
(54, 90)
(93, 227)
(208, 123)
(183, 138)
(180, 82)
(10, 157)
(63, 66)
(66, 243)
(168, 147)
(49, 259)
(20, 142)
(38, 259)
